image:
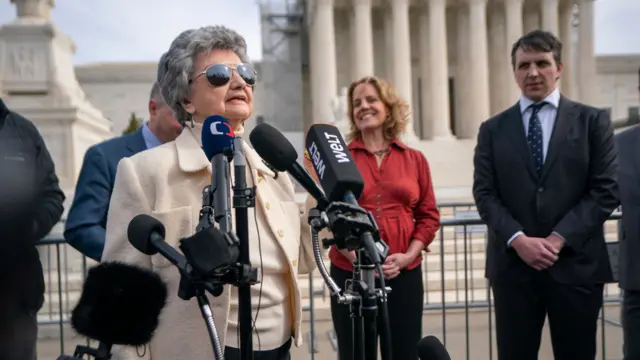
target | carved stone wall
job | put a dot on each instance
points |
(37, 80)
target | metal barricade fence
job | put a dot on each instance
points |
(453, 276)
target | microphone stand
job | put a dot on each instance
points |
(103, 352)
(193, 283)
(243, 198)
(189, 287)
(361, 294)
(363, 308)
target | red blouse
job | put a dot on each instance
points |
(400, 196)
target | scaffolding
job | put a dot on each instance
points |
(284, 59)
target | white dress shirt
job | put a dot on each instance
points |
(547, 116)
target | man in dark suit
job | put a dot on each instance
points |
(628, 144)
(87, 219)
(545, 180)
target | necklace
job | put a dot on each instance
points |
(381, 153)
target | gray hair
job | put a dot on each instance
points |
(176, 66)
(155, 93)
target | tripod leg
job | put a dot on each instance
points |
(358, 332)
(370, 336)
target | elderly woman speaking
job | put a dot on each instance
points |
(206, 72)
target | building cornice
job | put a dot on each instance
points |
(618, 63)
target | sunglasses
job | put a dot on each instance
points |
(220, 74)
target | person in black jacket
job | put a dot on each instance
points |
(30, 205)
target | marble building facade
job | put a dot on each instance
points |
(449, 59)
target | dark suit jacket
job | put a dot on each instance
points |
(628, 143)
(575, 193)
(87, 219)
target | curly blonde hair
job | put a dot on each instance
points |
(398, 109)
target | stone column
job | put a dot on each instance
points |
(388, 43)
(439, 69)
(322, 51)
(550, 16)
(402, 57)
(499, 73)
(513, 10)
(363, 39)
(425, 72)
(588, 85)
(479, 70)
(566, 36)
(531, 18)
(463, 111)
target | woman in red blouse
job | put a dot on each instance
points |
(399, 193)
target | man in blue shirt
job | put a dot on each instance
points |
(87, 219)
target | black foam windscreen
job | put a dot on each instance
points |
(139, 232)
(430, 348)
(332, 162)
(120, 304)
(209, 251)
(273, 147)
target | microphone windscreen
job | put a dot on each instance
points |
(332, 162)
(120, 304)
(273, 147)
(217, 135)
(139, 233)
(209, 251)
(430, 348)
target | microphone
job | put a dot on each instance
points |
(210, 252)
(339, 176)
(146, 234)
(333, 163)
(430, 348)
(217, 143)
(120, 305)
(278, 152)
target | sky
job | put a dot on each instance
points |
(141, 30)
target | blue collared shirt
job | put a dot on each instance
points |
(149, 138)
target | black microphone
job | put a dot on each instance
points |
(146, 234)
(430, 348)
(217, 143)
(338, 173)
(278, 152)
(120, 304)
(333, 163)
(210, 252)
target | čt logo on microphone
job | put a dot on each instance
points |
(221, 128)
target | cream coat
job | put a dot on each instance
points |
(166, 182)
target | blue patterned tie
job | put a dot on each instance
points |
(534, 137)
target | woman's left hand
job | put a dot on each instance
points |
(394, 263)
